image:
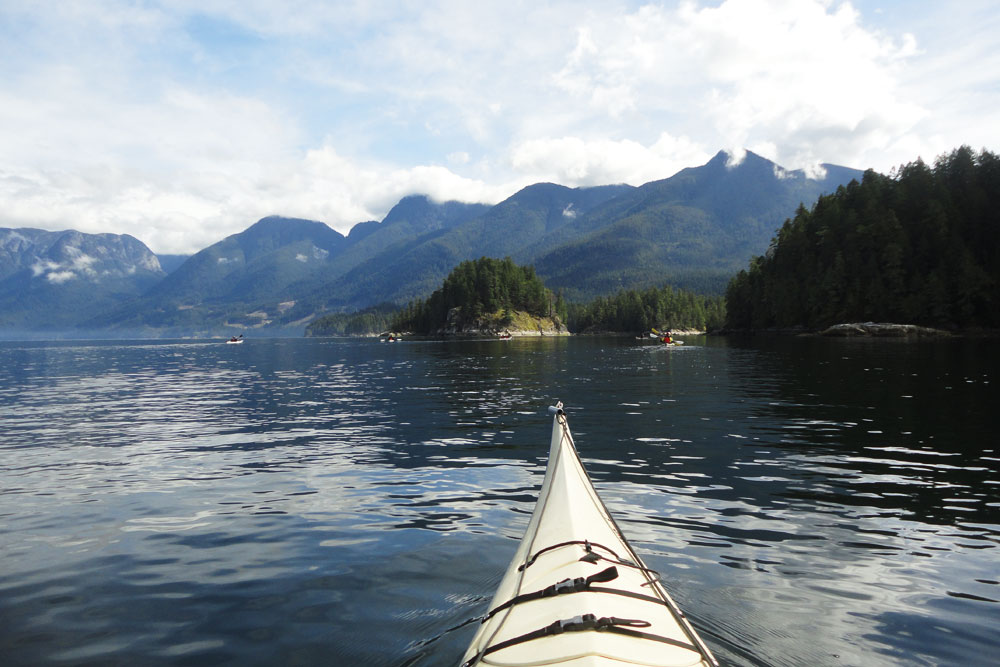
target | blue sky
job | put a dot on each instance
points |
(183, 122)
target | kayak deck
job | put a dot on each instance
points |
(576, 593)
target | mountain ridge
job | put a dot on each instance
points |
(693, 229)
(52, 280)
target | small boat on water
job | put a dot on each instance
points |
(235, 340)
(576, 593)
(666, 338)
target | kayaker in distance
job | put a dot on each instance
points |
(667, 339)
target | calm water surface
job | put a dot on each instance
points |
(344, 502)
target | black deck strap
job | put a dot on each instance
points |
(628, 594)
(620, 626)
(618, 630)
(577, 585)
(594, 557)
(587, 545)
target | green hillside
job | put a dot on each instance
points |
(414, 268)
(693, 230)
(919, 246)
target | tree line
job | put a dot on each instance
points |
(920, 245)
(363, 322)
(642, 310)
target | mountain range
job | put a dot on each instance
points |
(692, 230)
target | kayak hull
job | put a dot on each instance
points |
(571, 535)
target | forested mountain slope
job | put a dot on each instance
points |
(920, 246)
(693, 230)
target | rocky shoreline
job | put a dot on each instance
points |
(858, 330)
(882, 330)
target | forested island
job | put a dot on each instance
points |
(920, 245)
(486, 296)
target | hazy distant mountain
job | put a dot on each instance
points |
(277, 273)
(242, 281)
(52, 280)
(169, 263)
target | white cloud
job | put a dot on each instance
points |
(40, 267)
(78, 265)
(184, 122)
(577, 162)
(330, 187)
(735, 157)
(59, 277)
(807, 73)
(81, 262)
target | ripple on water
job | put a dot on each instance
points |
(340, 501)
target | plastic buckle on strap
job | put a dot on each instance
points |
(584, 622)
(571, 585)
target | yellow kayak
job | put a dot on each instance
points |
(576, 593)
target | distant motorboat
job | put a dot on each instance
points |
(235, 340)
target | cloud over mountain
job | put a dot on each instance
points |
(178, 121)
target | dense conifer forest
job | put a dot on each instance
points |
(481, 288)
(920, 245)
(361, 323)
(656, 307)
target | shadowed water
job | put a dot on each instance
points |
(349, 502)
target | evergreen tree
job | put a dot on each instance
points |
(919, 246)
(656, 307)
(474, 289)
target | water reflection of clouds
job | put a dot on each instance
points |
(784, 559)
(757, 489)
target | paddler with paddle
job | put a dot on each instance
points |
(666, 338)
